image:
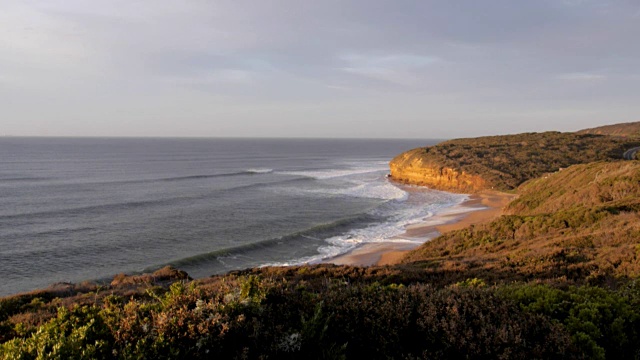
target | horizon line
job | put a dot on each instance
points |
(215, 137)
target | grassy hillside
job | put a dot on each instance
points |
(631, 129)
(505, 162)
(581, 224)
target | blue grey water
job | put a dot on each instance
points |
(75, 209)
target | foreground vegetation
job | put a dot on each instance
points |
(328, 312)
(557, 276)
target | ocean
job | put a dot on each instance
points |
(75, 209)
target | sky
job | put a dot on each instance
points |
(330, 68)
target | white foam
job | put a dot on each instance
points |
(369, 190)
(401, 215)
(403, 206)
(259, 171)
(384, 191)
(364, 182)
(335, 173)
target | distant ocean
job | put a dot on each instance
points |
(75, 209)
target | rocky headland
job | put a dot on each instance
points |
(503, 162)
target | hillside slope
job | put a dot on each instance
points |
(631, 129)
(579, 224)
(502, 162)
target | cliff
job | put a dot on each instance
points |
(412, 167)
(502, 162)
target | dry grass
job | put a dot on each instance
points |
(580, 224)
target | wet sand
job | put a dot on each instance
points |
(481, 207)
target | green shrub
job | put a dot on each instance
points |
(601, 322)
(79, 333)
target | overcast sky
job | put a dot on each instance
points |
(330, 68)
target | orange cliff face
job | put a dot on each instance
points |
(412, 167)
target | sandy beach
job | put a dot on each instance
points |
(480, 208)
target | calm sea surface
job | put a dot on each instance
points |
(86, 209)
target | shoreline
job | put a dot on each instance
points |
(479, 208)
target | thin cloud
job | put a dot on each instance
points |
(582, 76)
(216, 77)
(402, 69)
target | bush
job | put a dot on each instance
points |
(79, 333)
(601, 322)
(253, 317)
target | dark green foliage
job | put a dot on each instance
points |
(604, 324)
(79, 333)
